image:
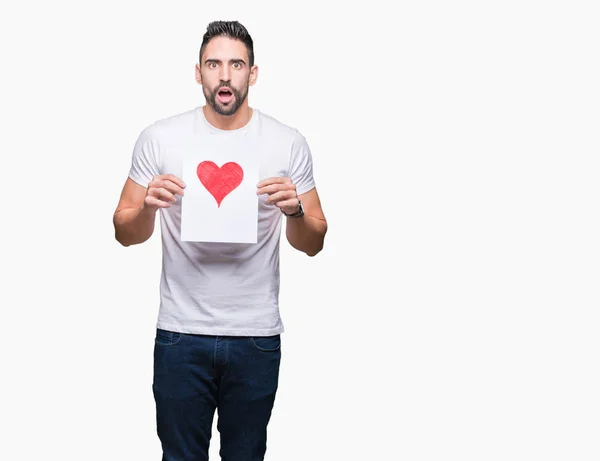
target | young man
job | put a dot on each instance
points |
(218, 344)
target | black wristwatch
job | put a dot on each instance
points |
(297, 214)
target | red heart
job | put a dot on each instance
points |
(219, 181)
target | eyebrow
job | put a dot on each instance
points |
(218, 61)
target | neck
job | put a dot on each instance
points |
(228, 122)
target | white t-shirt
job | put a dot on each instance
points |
(221, 288)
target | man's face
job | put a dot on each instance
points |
(225, 74)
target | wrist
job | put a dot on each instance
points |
(297, 213)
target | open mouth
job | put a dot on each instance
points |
(224, 95)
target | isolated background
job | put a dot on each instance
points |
(454, 311)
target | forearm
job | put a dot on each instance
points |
(306, 234)
(134, 225)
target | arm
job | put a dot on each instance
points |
(133, 222)
(135, 215)
(307, 233)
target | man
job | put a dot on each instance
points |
(218, 344)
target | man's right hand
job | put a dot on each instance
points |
(162, 191)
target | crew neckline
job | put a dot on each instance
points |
(214, 130)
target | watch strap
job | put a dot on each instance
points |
(298, 214)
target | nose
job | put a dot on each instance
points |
(225, 73)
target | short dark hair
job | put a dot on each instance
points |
(232, 29)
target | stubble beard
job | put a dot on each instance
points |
(238, 99)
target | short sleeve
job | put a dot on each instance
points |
(144, 159)
(301, 165)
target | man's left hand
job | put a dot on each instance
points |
(282, 193)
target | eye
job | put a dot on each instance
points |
(237, 65)
(212, 65)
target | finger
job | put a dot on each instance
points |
(162, 194)
(292, 204)
(271, 189)
(281, 196)
(153, 201)
(171, 177)
(274, 180)
(170, 186)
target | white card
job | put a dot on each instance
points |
(220, 202)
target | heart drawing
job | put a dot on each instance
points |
(220, 182)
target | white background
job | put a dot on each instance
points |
(453, 313)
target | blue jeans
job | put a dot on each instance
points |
(194, 375)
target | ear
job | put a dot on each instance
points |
(198, 75)
(253, 75)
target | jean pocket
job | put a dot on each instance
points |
(167, 338)
(266, 343)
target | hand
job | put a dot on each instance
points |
(282, 193)
(162, 190)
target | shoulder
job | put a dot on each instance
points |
(169, 126)
(275, 127)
